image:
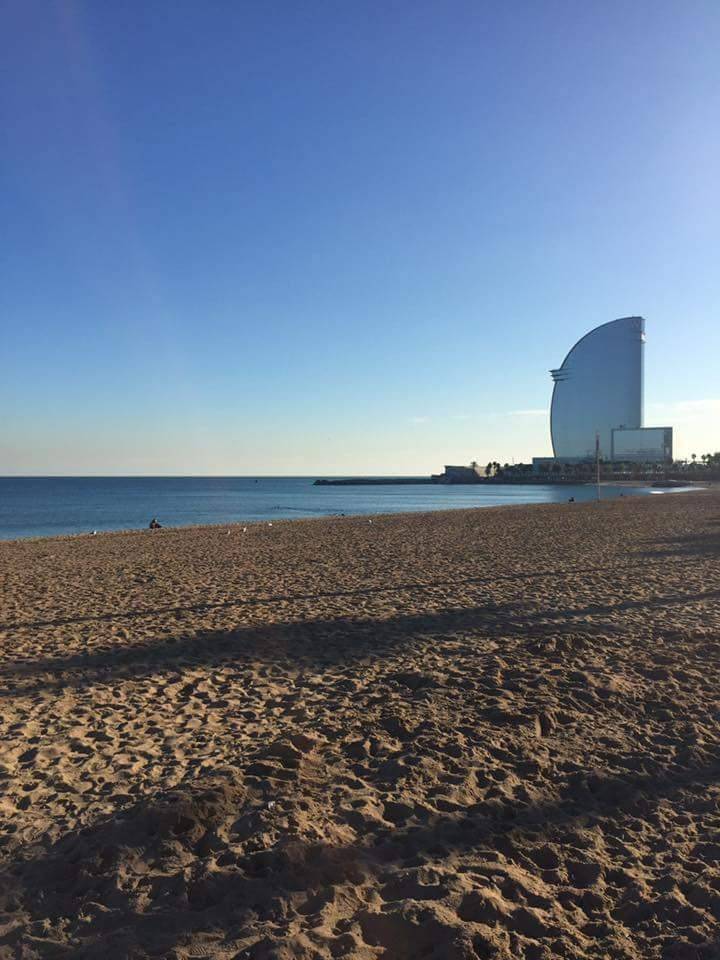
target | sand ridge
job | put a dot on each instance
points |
(467, 734)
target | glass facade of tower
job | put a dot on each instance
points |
(598, 389)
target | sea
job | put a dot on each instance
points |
(52, 506)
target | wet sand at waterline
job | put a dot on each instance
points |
(470, 734)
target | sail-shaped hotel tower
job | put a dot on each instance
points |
(599, 392)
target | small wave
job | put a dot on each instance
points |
(305, 510)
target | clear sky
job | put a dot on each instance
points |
(321, 237)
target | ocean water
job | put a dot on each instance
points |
(49, 506)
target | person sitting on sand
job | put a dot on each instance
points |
(154, 525)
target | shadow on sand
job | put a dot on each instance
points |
(242, 602)
(690, 545)
(161, 872)
(321, 643)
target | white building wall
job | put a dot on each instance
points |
(650, 444)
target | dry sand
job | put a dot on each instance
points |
(469, 734)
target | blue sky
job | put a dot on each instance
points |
(320, 237)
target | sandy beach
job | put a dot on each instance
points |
(470, 734)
